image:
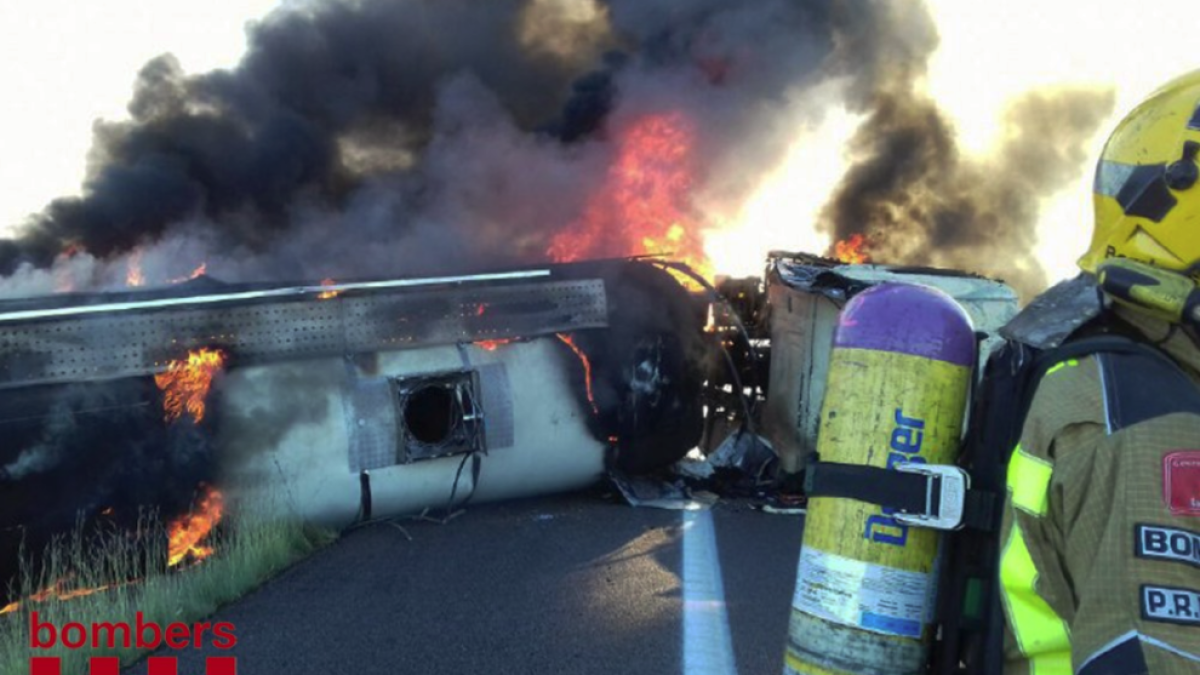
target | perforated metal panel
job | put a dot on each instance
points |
(142, 342)
(370, 411)
(373, 417)
(497, 405)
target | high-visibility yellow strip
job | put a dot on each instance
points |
(1051, 664)
(1059, 366)
(1029, 481)
(1041, 634)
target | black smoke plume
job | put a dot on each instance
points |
(449, 134)
(444, 133)
(914, 194)
(239, 148)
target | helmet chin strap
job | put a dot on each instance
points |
(1163, 294)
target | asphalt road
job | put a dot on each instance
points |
(577, 584)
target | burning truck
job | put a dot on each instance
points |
(341, 402)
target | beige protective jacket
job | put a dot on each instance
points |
(1100, 563)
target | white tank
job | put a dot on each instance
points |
(335, 441)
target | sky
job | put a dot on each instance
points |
(72, 62)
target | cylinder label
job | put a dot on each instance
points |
(863, 595)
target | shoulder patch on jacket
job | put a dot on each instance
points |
(1168, 544)
(1181, 485)
(1168, 604)
(1140, 387)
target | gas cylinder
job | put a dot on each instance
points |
(899, 378)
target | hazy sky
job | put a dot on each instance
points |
(70, 62)
(990, 51)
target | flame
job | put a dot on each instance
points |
(186, 383)
(587, 368)
(134, 276)
(325, 295)
(852, 251)
(186, 532)
(642, 207)
(492, 345)
(64, 281)
(200, 270)
(58, 591)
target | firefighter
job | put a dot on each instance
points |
(1100, 541)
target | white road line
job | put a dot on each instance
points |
(707, 647)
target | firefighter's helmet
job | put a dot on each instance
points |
(1147, 189)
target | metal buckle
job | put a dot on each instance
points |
(954, 483)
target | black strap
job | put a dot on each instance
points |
(905, 492)
(1106, 343)
(981, 509)
(364, 507)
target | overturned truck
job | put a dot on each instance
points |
(342, 402)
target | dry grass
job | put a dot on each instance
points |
(249, 552)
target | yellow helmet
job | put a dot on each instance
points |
(1147, 189)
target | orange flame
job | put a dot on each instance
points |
(201, 270)
(642, 208)
(58, 591)
(852, 251)
(134, 276)
(185, 384)
(186, 532)
(493, 345)
(63, 280)
(325, 295)
(587, 368)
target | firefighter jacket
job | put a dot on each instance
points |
(1100, 543)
